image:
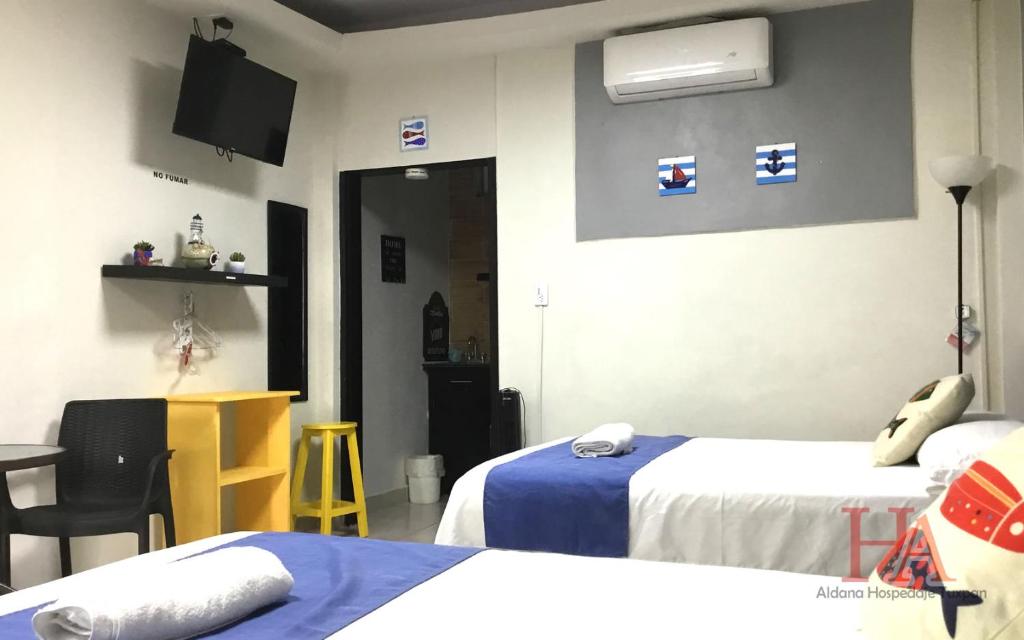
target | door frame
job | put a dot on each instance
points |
(351, 293)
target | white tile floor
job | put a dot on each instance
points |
(392, 517)
(405, 521)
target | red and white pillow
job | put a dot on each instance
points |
(957, 573)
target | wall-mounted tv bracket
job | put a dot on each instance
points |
(220, 23)
(223, 22)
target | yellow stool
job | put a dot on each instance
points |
(327, 507)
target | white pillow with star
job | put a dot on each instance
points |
(935, 406)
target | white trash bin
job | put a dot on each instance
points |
(424, 474)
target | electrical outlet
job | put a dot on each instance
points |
(540, 295)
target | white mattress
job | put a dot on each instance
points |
(508, 594)
(768, 504)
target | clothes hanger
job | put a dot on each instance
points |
(191, 334)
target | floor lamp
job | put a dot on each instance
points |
(959, 174)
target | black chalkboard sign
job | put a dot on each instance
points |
(435, 329)
(392, 259)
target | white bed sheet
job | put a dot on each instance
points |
(509, 594)
(767, 504)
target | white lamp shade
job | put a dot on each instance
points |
(960, 171)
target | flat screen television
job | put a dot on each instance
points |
(233, 103)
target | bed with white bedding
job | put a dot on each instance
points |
(768, 504)
(508, 594)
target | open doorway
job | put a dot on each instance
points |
(443, 221)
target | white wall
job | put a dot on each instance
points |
(86, 116)
(804, 333)
(394, 383)
(808, 333)
(1002, 133)
(457, 97)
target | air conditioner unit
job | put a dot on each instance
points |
(688, 61)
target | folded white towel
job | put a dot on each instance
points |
(607, 440)
(178, 600)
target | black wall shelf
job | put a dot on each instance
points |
(177, 274)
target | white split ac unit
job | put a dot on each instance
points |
(688, 61)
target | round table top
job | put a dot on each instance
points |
(28, 456)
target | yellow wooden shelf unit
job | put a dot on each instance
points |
(262, 452)
(236, 475)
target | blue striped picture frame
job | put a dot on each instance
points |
(775, 163)
(677, 176)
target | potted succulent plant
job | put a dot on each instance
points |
(235, 263)
(143, 253)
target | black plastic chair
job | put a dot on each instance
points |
(113, 477)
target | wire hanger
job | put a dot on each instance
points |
(192, 334)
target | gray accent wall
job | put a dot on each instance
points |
(842, 92)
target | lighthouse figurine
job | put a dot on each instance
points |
(198, 254)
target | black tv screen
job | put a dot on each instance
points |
(231, 102)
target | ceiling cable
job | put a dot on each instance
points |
(219, 23)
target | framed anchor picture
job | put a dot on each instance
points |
(677, 176)
(775, 163)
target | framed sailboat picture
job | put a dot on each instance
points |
(677, 176)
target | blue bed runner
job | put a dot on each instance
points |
(550, 500)
(337, 581)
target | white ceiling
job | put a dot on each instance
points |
(367, 51)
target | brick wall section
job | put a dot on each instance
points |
(468, 257)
